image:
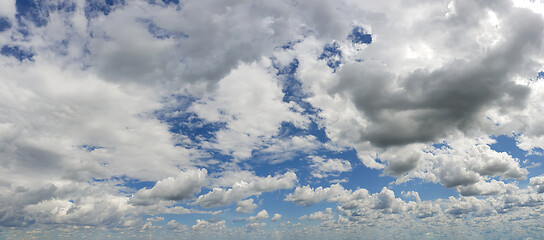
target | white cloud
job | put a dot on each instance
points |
(7, 8)
(276, 217)
(121, 138)
(176, 226)
(254, 226)
(538, 182)
(209, 227)
(306, 195)
(460, 163)
(246, 206)
(262, 215)
(250, 101)
(323, 167)
(240, 190)
(485, 188)
(321, 216)
(108, 210)
(182, 187)
(360, 199)
(155, 219)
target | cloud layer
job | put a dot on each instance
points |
(286, 119)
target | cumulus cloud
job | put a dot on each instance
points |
(322, 216)
(538, 183)
(209, 226)
(262, 215)
(458, 162)
(240, 190)
(323, 167)
(484, 188)
(384, 200)
(155, 219)
(184, 186)
(254, 226)
(250, 101)
(276, 217)
(176, 226)
(306, 195)
(246, 206)
(385, 102)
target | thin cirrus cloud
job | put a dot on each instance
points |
(294, 120)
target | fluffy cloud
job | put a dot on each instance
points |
(384, 200)
(246, 206)
(240, 190)
(384, 103)
(538, 182)
(255, 226)
(250, 101)
(458, 162)
(276, 217)
(78, 204)
(262, 215)
(485, 188)
(209, 226)
(323, 167)
(176, 226)
(184, 186)
(306, 195)
(322, 216)
(155, 219)
(8, 9)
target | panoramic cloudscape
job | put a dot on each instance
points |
(286, 119)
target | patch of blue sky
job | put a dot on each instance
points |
(95, 8)
(533, 161)
(5, 24)
(290, 44)
(161, 33)
(38, 11)
(288, 129)
(540, 75)
(184, 122)
(508, 144)
(89, 148)
(166, 2)
(17, 52)
(361, 176)
(441, 145)
(34, 11)
(194, 127)
(292, 87)
(360, 36)
(274, 202)
(265, 162)
(332, 54)
(171, 1)
(187, 219)
(428, 191)
(130, 185)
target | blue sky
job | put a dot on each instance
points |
(210, 119)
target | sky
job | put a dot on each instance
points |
(287, 119)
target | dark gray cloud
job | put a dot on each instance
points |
(11, 213)
(425, 105)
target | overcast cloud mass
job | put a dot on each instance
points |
(286, 119)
